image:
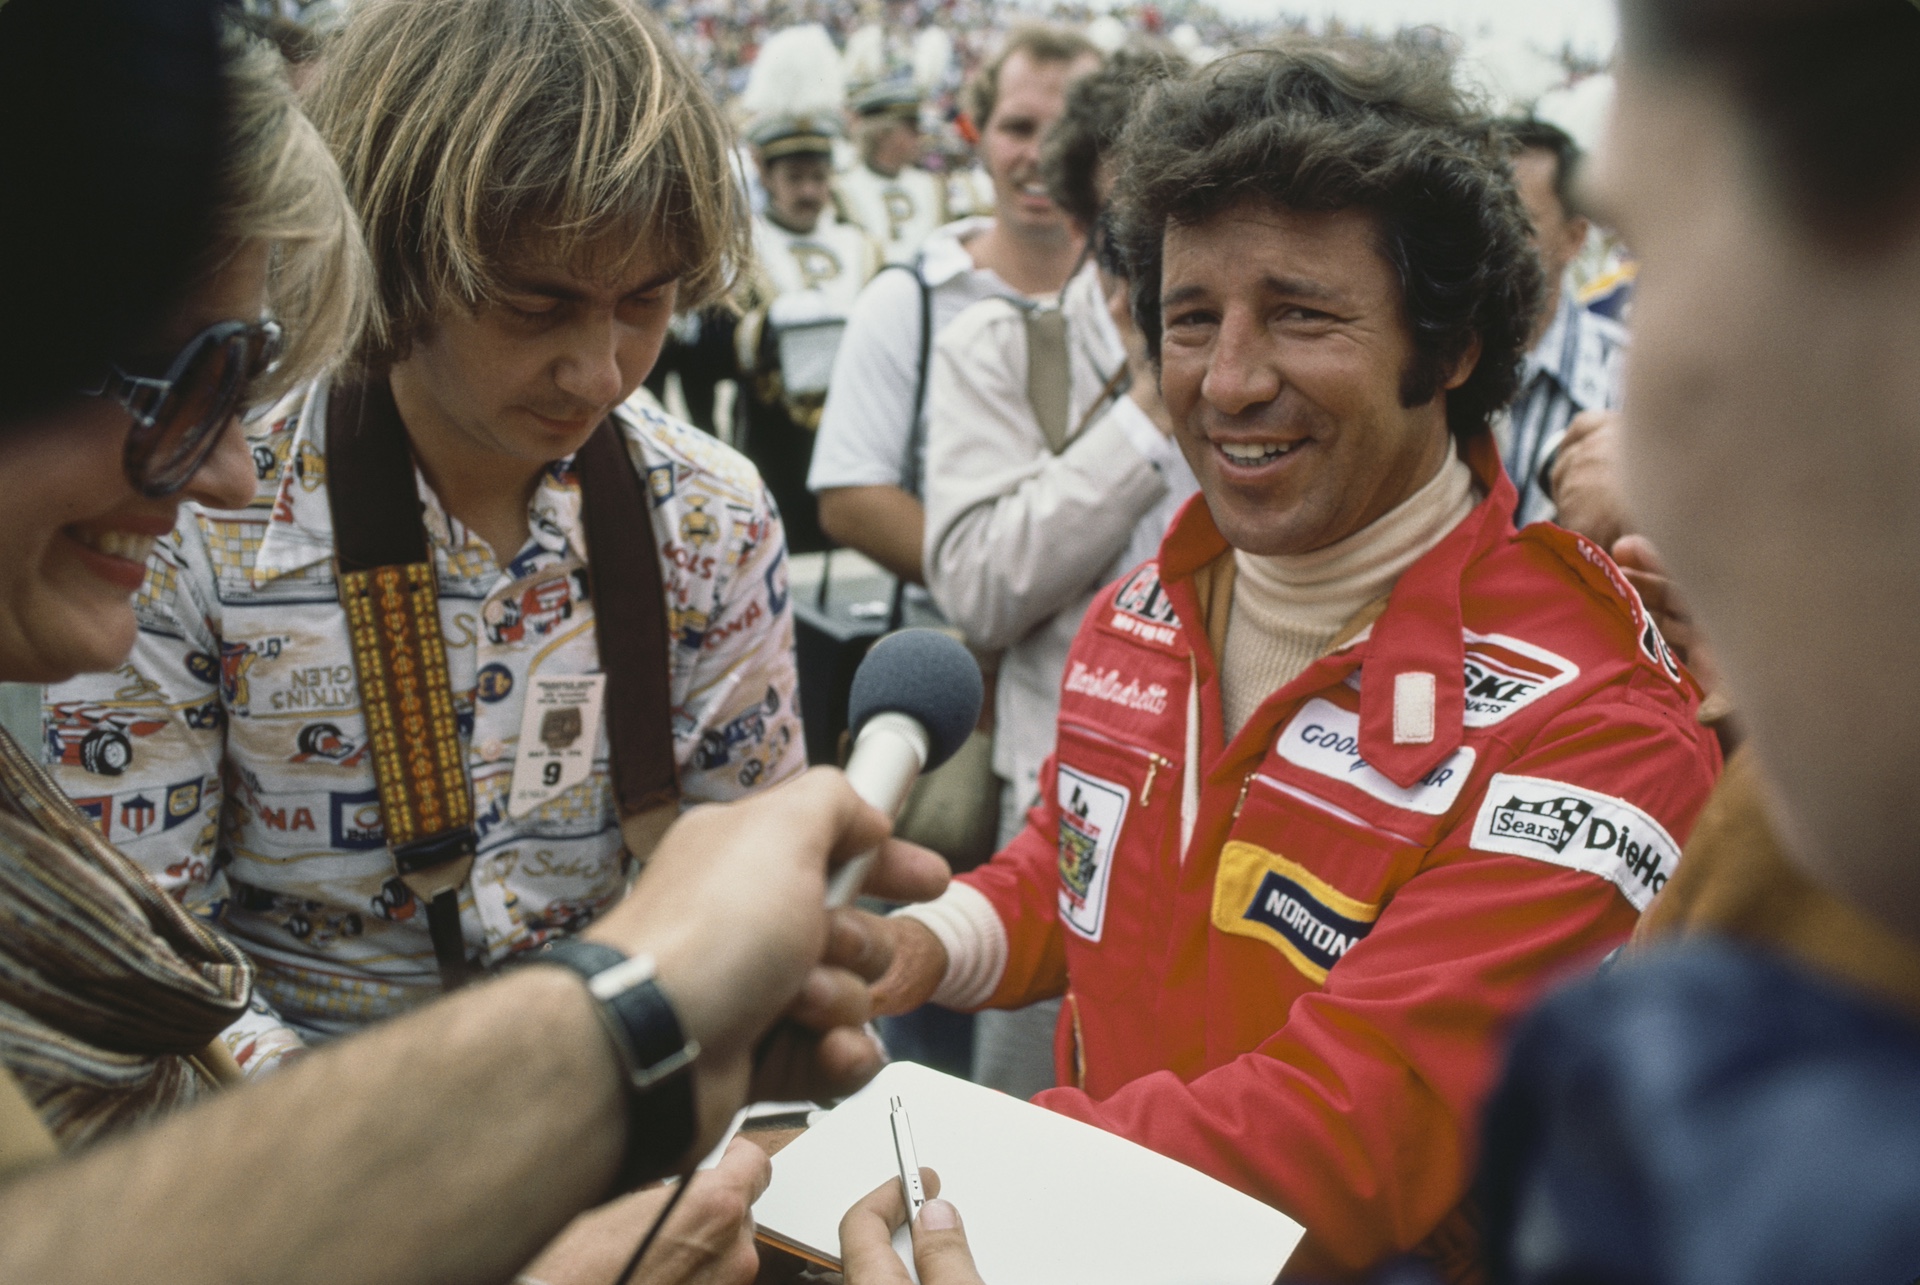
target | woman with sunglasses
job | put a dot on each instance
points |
(86, 491)
(370, 1161)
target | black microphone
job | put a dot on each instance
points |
(915, 700)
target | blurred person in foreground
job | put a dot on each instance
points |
(869, 461)
(111, 996)
(1051, 470)
(1353, 770)
(1739, 1107)
(592, 650)
(1571, 377)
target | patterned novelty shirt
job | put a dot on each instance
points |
(228, 755)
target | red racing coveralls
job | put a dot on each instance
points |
(1471, 799)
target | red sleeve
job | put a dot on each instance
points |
(1359, 1116)
(1022, 882)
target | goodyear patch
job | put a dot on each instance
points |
(1263, 895)
(1531, 816)
(1325, 738)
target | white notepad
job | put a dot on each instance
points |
(1045, 1200)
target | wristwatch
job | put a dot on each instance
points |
(654, 1053)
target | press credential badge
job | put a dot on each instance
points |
(558, 734)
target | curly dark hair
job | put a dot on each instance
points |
(1090, 125)
(1347, 124)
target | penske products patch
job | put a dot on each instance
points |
(1505, 675)
(1530, 816)
(1324, 738)
(1262, 895)
(1091, 814)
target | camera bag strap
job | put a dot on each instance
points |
(389, 591)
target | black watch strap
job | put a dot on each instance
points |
(655, 1055)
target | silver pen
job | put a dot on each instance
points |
(909, 1159)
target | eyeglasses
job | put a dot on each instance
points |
(178, 419)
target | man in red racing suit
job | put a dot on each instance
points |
(1296, 978)
(1353, 770)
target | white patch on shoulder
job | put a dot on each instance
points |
(1531, 816)
(1505, 675)
(1324, 738)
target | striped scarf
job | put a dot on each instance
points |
(107, 986)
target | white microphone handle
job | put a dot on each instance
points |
(887, 758)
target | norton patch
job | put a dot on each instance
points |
(1141, 609)
(1262, 895)
(1530, 816)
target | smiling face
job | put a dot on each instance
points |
(1283, 349)
(1771, 449)
(1032, 94)
(521, 381)
(75, 532)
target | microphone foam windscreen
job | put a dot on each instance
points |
(929, 677)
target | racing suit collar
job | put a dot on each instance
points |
(1419, 633)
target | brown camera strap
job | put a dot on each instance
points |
(389, 591)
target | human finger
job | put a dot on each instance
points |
(919, 963)
(831, 997)
(746, 1168)
(866, 1233)
(1637, 552)
(857, 940)
(940, 1249)
(1656, 594)
(907, 872)
(794, 1063)
(709, 1237)
(1585, 425)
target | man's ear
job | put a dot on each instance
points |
(1463, 365)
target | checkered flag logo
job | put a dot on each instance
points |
(1553, 822)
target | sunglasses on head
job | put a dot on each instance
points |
(178, 418)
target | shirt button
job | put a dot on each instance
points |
(491, 751)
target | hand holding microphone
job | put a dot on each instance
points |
(915, 700)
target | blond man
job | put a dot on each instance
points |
(535, 220)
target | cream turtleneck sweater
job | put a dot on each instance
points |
(1288, 608)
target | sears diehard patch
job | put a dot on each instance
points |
(1263, 895)
(1505, 675)
(1091, 814)
(1324, 738)
(1142, 609)
(1530, 816)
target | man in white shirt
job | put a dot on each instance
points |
(869, 458)
(1051, 472)
(1573, 370)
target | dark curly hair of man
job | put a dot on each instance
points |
(1096, 112)
(1334, 125)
